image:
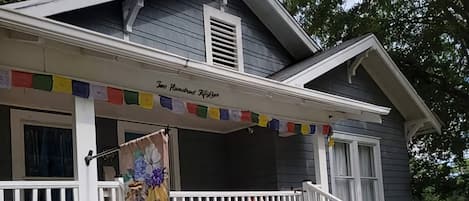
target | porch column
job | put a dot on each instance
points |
(85, 140)
(320, 161)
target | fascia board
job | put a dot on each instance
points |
(42, 8)
(100, 42)
(318, 69)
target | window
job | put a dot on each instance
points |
(42, 145)
(223, 42)
(130, 130)
(356, 168)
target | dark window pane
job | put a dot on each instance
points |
(48, 151)
(131, 136)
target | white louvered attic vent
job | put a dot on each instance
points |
(223, 39)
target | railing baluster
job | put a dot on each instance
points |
(113, 194)
(2, 198)
(48, 194)
(34, 192)
(101, 194)
(17, 194)
(62, 194)
(191, 198)
(75, 194)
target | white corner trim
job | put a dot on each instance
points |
(325, 65)
(210, 12)
(42, 8)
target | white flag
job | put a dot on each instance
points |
(179, 107)
(98, 92)
(235, 115)
(5, 79)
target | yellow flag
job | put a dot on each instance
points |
(331, 142)
(145, 100)
(61, 84)
(214, 113)
(305, 129)
(263, 119)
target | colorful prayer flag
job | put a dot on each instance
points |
(283, 126)
(331, 142)
(178, 106)
(246, 116)
(80, 89)
(191, 108)
(131, 97)
(290, 127)
(298, 128)
(304, 129)
(274, 124)
(98, 92)
(43, 82)
(61, 84)
(145, 100)
(115, 96)
(214, 113)
(263, 120)
(166, 102)
(202, 111)
(254, 117)
(5, 79)
(326, 129)
(319, 129)
(312, 129)
(224, 114)
(21, 79)
(235, 115)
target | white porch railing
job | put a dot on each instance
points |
(314, 192)
(235, 196)
(38, 190)
(113, 191)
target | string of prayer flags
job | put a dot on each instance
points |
(61, 84)
(115, 96)
(22, 79)
(12, 78)
(98, 92)
(80, 89)
(5, 79)
(214, 113)
(145, 100)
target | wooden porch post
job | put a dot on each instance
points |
(85, 140)
(320, 161)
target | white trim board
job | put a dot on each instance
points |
(383, 71)
(43, 8)
(162, 60)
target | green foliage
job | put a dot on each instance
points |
(428, 40)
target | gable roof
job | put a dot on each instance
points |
(271, 12)
(368, 52)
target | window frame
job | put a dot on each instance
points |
(210, 12)
(18, 118)
(354, 141)
(127, 126)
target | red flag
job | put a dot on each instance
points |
(246, 116)
(290, 127)
(191, 108)
(326, 129)
(115, 96)
(21, 79)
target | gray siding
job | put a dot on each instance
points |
(177, 27)
(394, 157)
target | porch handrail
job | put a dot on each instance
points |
(235, 196)
(18, 189)
(314, 192)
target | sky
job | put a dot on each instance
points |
(349, 3)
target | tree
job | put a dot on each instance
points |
(428, 40)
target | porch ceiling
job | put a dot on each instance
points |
(62, 49)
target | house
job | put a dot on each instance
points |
(77, 76)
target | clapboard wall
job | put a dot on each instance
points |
(394, 157)
(177, 27)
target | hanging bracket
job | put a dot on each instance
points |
(352, 69)
(130, 9)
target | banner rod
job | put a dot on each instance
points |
(90, 156)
